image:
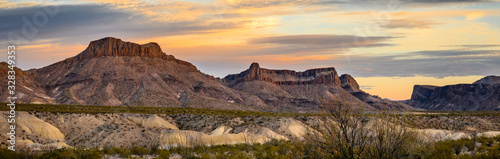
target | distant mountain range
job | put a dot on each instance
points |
(113, 72)
(483, 94)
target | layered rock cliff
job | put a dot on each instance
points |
(482, 95)
(285, 77)
(114, 47)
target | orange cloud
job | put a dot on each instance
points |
(474, 15)
(5, 4)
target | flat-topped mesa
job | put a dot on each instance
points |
(116, 47)
(110, 46)
(286, 77)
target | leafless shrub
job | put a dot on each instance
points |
(347, 132)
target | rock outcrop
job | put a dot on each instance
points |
(350, 85)
(482, 95)
(285, 77)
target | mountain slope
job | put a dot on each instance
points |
(28, 90)
(350, 85)
(113, 72)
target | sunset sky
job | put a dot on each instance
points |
(386, 45)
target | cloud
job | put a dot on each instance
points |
(435, 63)
(454, 53)
(406, 2)
(312, 44)
(366, 87)
(409, 24)
(474, 46)
(265, 3)
(474, 15)
(83, 23)
(324, 40)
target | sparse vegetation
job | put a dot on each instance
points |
(349, 133)
(352, 133)
(92, 109)
(487, 148)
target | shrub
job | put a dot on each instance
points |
(348, 133)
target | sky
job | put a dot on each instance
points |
(386, 45)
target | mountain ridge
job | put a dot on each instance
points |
(114, 72)
(483, 95)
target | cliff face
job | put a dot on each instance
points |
(114, 47)
(285, 77)
(421, 93)
(349, 83)
(477, 96)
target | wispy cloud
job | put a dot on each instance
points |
(321, 41)
(366, 87)
(83, 23)
(409, 23)
(435, 63)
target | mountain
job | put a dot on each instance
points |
(482, 95)
(27, 89)
(489, 80)
(291, 90)
(114, 72)
(351, 86)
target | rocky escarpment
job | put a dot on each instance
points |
(350, 85)
(285, 77)
(286, 89)
(110, 46)
(482, 95)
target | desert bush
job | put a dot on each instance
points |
(348, 133)
(8, 154)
